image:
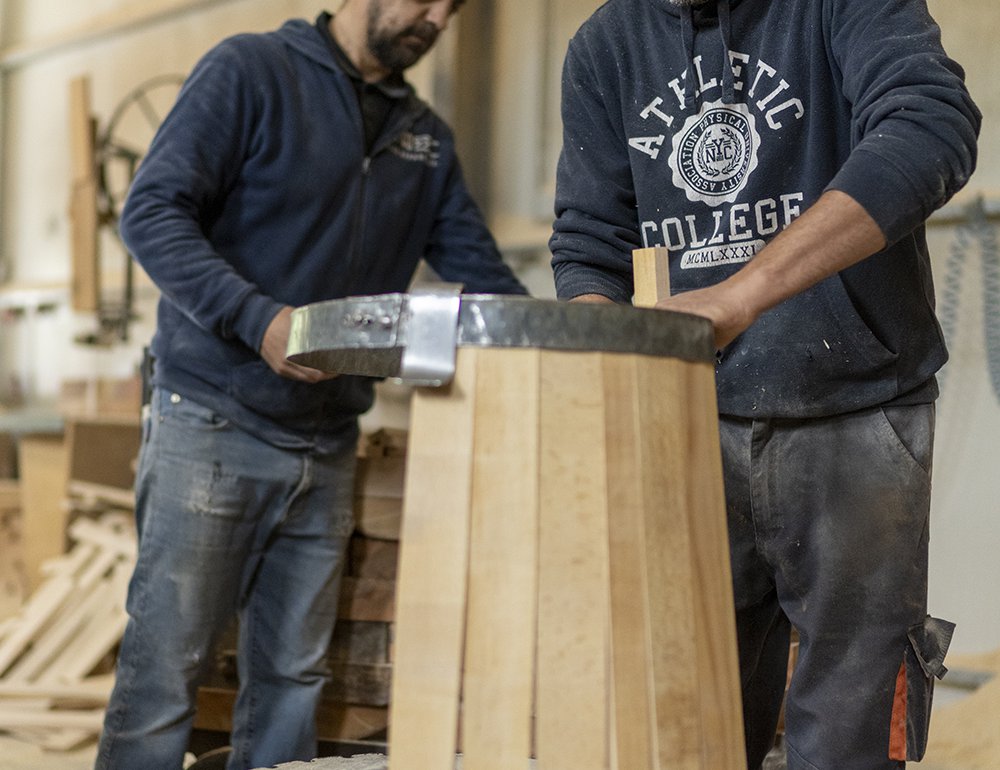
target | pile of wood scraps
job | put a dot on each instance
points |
(56, 651)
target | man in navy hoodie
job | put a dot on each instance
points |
(296, 166)
(787, 154)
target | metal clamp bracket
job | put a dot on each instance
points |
(431, 335)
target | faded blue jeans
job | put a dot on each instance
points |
(227, 524)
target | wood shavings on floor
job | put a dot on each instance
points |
(964, 733)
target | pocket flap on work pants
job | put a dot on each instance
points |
(930, 641)
(923, 660)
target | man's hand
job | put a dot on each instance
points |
(273, 348)
(833, 234)
(719, 304)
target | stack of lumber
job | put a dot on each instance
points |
(55, 651)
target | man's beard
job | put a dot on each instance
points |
(398, 50)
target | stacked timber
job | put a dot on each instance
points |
(67, 526)
(55, 652)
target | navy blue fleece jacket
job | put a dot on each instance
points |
(257, 192)
(709, 130)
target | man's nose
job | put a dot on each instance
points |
(439, 14)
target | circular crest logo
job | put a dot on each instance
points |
(715, 152)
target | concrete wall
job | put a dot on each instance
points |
(505, 89)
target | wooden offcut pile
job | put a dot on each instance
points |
(55, 651)
(964, 734)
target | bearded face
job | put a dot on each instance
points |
(397, 46)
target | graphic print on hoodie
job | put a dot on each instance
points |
(709, 130)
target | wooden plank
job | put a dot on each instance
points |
(88, 494)
(95, 688)
(42, 461)
(634, 720)
(66, 626)
(103, 451)
(433, 562)
(573, 599)
(378, 495)
(666, 474)
(379, 517)
(72, 563)
(120, 545)
(85, 283)
(364, 598)
(380, 477)
(373, 558)
(716, 661)
(36, 614)
(81, 130)
(701, 701)
(502, 601)
(12, 577)
(99, 635)
(91, 720)
(651, 275)
(63, 739)
(334, 721)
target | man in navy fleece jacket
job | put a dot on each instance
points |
(297, 166)
(787, 154)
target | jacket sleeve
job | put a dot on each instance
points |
(192, 166)
(461, 247)
(595, 228)
(915, 125)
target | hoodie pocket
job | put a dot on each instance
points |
(923, 660)
(851, 332)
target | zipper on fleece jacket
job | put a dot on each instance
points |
(382, 143)
(358, 227)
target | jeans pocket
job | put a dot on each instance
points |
(923, 660)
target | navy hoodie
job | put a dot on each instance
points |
(257, 192)
(709, 130)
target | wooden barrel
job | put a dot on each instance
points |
(564, 588)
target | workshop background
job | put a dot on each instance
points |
(71, 337)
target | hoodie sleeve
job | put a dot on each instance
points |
(596, 226)
(461, 248)
(192, 165)
(915, 125)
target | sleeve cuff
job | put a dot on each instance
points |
(883, 191)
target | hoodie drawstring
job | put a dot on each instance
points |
(728, 81)
(687, 41)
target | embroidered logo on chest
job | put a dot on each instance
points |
(714, 153)
(420, 148)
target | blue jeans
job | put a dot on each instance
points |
(227, 524)
(828, 527)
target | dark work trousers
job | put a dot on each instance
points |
(828, 526)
